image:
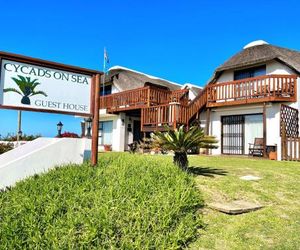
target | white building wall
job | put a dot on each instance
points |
(277, 68)
(121, 137)
(114, 89)
(273, 67)
(226, 76)
(273, 110)
(273, 121)
(118, 131)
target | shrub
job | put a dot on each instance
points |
(127, 202)
(181, 141)
(4, 147)
(12, 137)
(69, 135)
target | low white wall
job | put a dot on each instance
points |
(41, 155)
(16, 144)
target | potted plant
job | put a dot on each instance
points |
(107, 147)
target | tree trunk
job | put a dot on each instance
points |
(180, 159)
(25, 100)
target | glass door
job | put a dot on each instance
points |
(232, 135)
(253, 129)
(238, 131)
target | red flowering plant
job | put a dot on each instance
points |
(68, 135)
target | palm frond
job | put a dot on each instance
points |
(27, 86)
(182, 140)
(34, 85)
(12, 90)
(21, 84)
(39, 93)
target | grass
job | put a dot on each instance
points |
(127, 202)
(276, 226)
(144, 202)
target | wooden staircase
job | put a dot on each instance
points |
(173, 114)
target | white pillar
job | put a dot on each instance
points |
(119, 136)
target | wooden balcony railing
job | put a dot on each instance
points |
(157, 117)
(290, 148)
(127, 99)
(253, 90)
(141, 97)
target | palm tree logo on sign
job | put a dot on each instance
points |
(26, 88)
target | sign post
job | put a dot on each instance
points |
(95, 126)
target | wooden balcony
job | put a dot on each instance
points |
(141, 98)
(269, 88)
(160, 108)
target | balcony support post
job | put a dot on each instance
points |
(148, 97)
(265, 130)
(207, 125)
(207, 121)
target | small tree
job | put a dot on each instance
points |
(181, 140)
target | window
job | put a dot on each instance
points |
(107, 90)
(105, 132)
(251, 72)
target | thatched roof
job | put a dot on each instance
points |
(256, 53)
(126, 79)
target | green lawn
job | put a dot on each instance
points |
(127, 202)
(145, 202)
(276, 226)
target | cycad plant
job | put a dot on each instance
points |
(26, 88)
(182, 140)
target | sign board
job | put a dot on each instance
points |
(38, 88)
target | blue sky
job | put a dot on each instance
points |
(183, 41)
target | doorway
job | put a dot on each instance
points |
(238, 131)
(137, 134)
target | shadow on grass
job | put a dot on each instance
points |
(206, 171)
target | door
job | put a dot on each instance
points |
(253, 129)
(137, 134)
(232, 135)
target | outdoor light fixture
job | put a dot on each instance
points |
(82, 123)
(89, 126)
(59, 128)
(20, 133)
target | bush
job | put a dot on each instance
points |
(4, 147)
(12, 137)
(127, 202)
(69, 135)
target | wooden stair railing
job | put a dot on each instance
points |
(172, 114)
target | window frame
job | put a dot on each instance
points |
(100, 132)
(250, 72)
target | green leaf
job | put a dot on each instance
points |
(39, 93)
(12, 90)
